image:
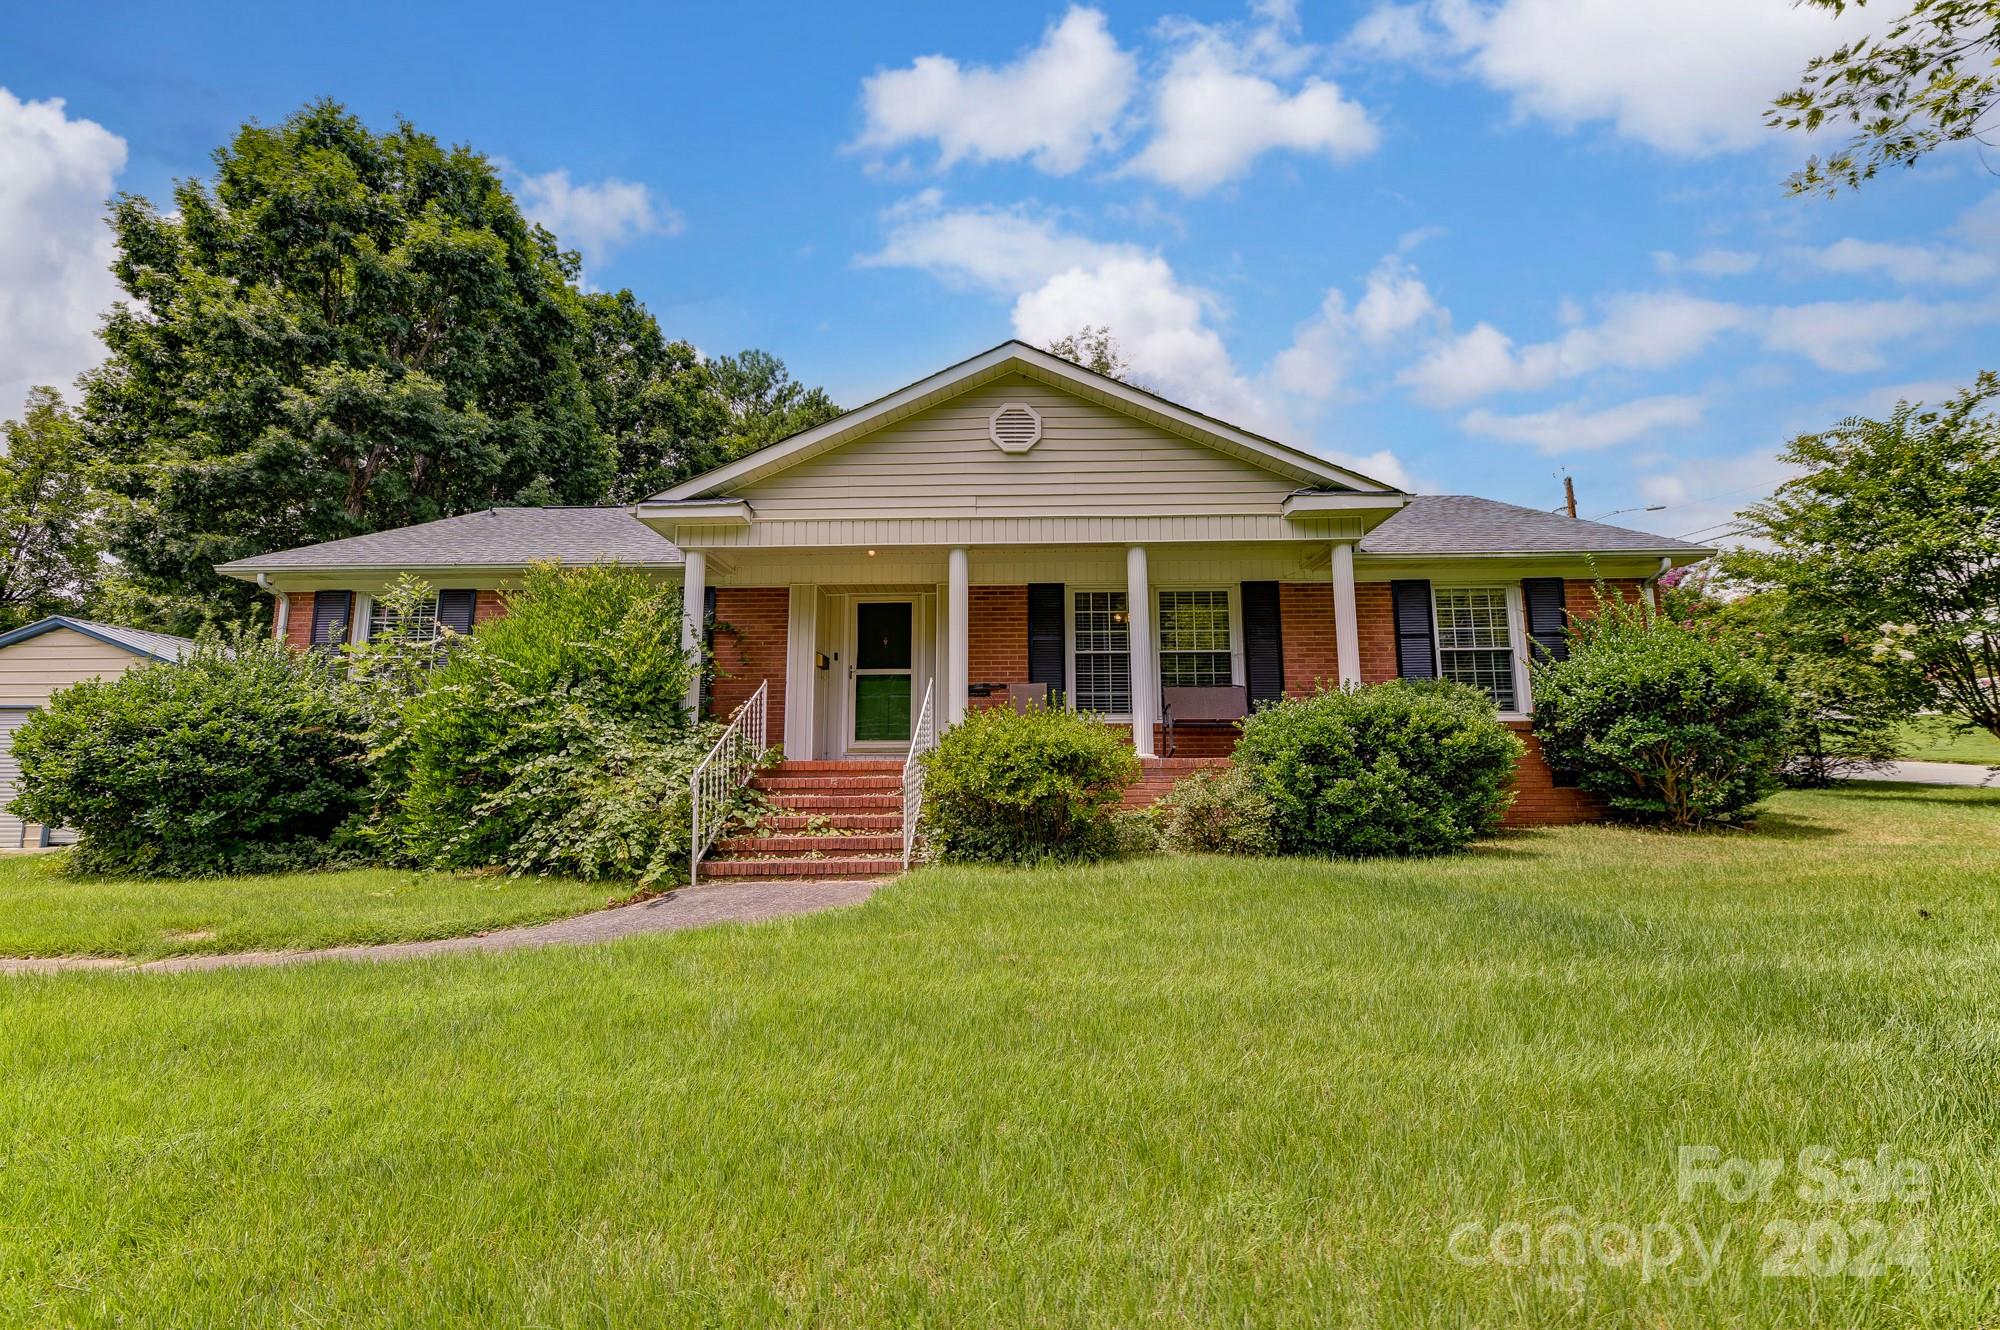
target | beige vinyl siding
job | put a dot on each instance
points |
(31, 670)
(1091, 460)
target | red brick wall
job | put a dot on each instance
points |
(751, 651)
(1305, 613)
(1376, 617)
(1305, 631)
(487, 605)
(1580, 594)
(298, 621)
(1537, 801)
(997, 639)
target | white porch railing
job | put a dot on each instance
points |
(727, 769)
(922, 739)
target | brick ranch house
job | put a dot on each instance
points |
(1016, 526)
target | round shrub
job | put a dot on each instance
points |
(1397, 768)
(1669, 724)
(241, 758)
(1220, 811)
(1014, 788)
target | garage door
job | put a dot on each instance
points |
(13, 832)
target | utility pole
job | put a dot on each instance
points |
(1569, 495)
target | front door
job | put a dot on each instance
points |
(883, 672)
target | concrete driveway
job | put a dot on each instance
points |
(1933, 773)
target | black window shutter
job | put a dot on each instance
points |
(1416, 631)
(333, 614)
(455, 609)
(1263, 643)
(1543, 597)
(1046, 639)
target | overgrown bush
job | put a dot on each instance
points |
(553, 740)
(1400, 768)
(1219, 811)
(1013, 788)
(244, 757)
(1669, 723)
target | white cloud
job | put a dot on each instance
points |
(1167, 327)
(595, 219)
(1702, 495)
(1708, 263)
(1910, 265)
(1574, 428)
(55, 251)
(1219, 106)
(1638, 332)
(1321, 358)
(1005, 250)
(1848, 335)
(1688, 77)
(1055, 105)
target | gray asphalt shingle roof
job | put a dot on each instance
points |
(1463, 524)
(491, 538)
(140, 642)
(516, 537)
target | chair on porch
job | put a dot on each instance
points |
(1191, 705)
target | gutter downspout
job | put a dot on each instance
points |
(1652, 584)
(281, 612)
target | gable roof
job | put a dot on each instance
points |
(491, 538)
(1443, 524)
(1016, 357)
(138, 641)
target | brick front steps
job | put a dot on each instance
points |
(830, 819)
(1158, 774)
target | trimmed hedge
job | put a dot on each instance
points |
(1401, 768)
(1016, 788)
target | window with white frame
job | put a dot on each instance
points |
(1475, 641)
(420, 624)
(1194, 639)
(1102, 635)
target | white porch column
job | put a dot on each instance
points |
(1145, 678)
(958, 638)
(801, 671)
(1346, 631)
(694, 590)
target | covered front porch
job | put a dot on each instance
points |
(852, 640)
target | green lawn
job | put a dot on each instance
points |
(44, 913)
(1253, 1093)
(1936, 741)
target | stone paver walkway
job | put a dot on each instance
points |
(690, 907)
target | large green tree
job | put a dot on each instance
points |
(341, 331)
(1930, 78)
(51, 540)
(1889, 540)
(656, 401)
(764, 403)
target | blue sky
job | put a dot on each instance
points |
(1465, 245)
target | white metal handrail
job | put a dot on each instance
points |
(922, 739)
(727, 769)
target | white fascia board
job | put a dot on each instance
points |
(1317, 504)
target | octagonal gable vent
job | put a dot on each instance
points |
(1015, 427)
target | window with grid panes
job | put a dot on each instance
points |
(1103, 653)
(420, 624)
(1194, 639)
(1475, 642)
